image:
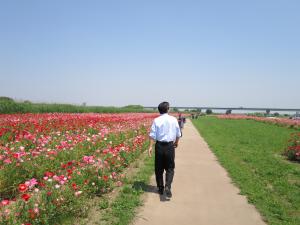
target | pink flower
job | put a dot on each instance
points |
(7, 161)
(36, 210)
(77, 193)
(88, 159)
(119, 183)
(5, 202)
(31, 183)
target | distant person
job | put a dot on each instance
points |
(192, 115)
(181, 121)
(165, 132)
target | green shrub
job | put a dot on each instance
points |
(293, 149)
(209, 111)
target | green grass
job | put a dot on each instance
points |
(123, 208)
(251, 152)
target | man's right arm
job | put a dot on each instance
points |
(150, 147)
(152, 137)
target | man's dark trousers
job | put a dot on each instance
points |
(164, 160)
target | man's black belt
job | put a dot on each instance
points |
(165, 142)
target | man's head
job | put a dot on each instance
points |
(163, 107)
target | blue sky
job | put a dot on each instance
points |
(192, 53)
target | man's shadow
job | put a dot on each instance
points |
(141, 185)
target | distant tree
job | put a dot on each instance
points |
(83, 104)
(268, 111)
(27, 102)
(199, 110)
(276, 114)
(175, 109)
(209, 111)
(134, 107)
(7, 99)
(228, 111)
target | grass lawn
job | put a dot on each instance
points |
(251, 153)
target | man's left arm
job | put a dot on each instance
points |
(176, 142)
(178, 135)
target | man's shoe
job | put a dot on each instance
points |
(168, 192)
(161, 190)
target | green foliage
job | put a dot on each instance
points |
(251, 152)
(9, 106)
(134, 107)
(228, 111)
(7, 99)
(175, 109)
(209, 111)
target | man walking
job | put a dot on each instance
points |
(165, 132)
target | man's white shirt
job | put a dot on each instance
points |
(165, 128)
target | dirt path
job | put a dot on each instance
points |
(202, 191)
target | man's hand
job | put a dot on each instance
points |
(150, 147)
(175, 144)
(150, 151)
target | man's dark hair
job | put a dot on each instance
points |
(163, 107)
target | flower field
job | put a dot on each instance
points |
(273, 120)
(51, 164)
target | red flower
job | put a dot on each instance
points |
(74, 186)
(31, 213)
(22, 187)
(105, 178)
(41, 184)
(26, 197)
(49, 174)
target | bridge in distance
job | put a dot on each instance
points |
(268, 110)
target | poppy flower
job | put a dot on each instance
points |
(25, 197)
(5, 202)
(105, 178)
(23, 187)
(74, 186)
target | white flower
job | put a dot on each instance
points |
(77, 193)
